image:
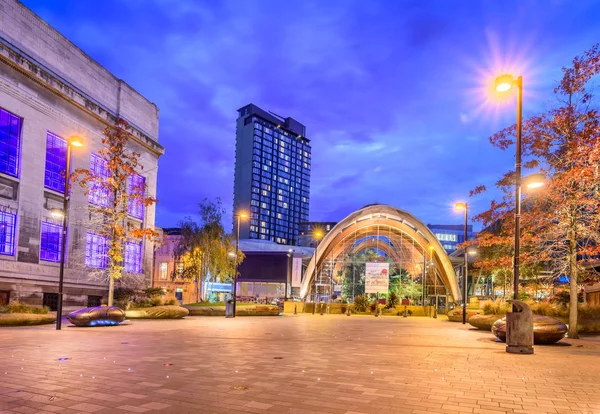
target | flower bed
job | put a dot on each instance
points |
(157, 312)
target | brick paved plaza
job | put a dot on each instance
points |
(291, 364)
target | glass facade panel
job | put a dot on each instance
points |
(99, 193)
(96, 249)
(133, 257)
(10, 143)
(51, 240)
(8, 223)
(56, 163)
(137, 187)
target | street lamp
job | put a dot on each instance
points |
(465, 207)
(317, 235)
(505, 83)
(241, 215)
(75, 141)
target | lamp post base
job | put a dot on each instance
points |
(515, 349)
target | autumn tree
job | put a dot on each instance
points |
(115, 190)
(205, 249)
(561, 223)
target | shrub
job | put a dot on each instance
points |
(392, 300)
(18, 307)
(360, 303)
(587, 311)
(373, 306)
(153, 292)
(497, 307)
(123, 294)
(155, 301)
(563, 297)
(171, 302)
(546, 309)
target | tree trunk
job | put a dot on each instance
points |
(111, 290)
(573, 286)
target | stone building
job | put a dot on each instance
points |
(167, 270)
(51, 90)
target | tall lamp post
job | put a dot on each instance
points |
(73, 142)
(465, 207)
(241, 215)
(505, 83)
(317, 236)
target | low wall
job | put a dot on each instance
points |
(340, 308)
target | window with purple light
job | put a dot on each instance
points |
(56, 162)
(7, 233)
(99, 194)
(10, 143)
(133, 257)
(137, 186)
(95, 251)
(50, 246)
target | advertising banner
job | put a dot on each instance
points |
(297, 272)
(377, 277)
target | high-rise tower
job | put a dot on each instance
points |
(272, 175)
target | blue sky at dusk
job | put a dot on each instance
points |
(393, 93)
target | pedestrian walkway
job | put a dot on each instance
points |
(291, 364)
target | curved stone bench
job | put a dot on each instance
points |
(97, 316)
(26, 319)
(483, 322)
(157, 312)
(546, 330)
(455, 315)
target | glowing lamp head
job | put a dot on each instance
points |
(471, 251)
(76, 141)
(231, 254)
(243, 215)
(535, 181)
(317, 234)
(460, 206)
(57, 213)
(504, 83)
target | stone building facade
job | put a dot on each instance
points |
(166, 270)
(51, 90)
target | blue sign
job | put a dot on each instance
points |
(563, 279)
(220, 287)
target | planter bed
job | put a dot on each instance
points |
(241, 310)
(26, 319)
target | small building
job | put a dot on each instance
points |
(167, 272)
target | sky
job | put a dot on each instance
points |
(395, 94)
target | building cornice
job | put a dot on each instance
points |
(32, 69)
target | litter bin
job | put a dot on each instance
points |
(229, 308)
(519, 329)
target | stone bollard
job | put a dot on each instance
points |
(519, 329)
(295, 310)
(348, 311)
(405, 314)
(322, 304)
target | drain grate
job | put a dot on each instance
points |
(240, 387)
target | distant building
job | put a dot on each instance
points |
(307, 228)
(50, 90)
(167, 270)
(272, 175)
(450, 235)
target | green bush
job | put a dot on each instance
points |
(153, 292)
(587, 311)
(563, 297)
(171, 302)
(392, 300)
(361, 303)
(18, 307)
(497, 307)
